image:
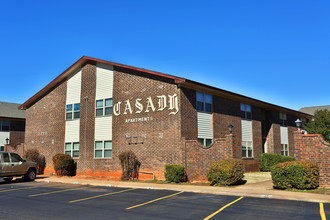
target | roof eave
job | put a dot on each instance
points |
(241, 98)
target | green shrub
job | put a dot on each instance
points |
(295, 174)
(64, 165)
(34, 155)
(175, 173)
(226, 172)
(268, 160)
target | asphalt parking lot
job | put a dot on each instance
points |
(41, 200)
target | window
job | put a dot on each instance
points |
(4, 125)
(72, 111)
(72, 149)
(204, 102)
(205, 141)
(283, 120)
(247, 149)
(246, 111)
(285, 150)
(5, 158)
(103, 107)
(2, 148)
(15, 158)
(103, 149)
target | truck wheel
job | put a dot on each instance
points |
(8, 179)
(30, 175)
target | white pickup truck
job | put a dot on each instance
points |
(12, 165)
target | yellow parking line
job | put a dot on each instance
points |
(154, 200)
(210, 216)
(57, 191)
(322, 213)
(78, 200)
(30, 187)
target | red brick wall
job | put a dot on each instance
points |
(188, 114)
(162, 144)
(312, 147)
(45, 124)
(198, 158)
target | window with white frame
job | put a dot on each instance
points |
(283, 119)
(285, 150)
(103, 107)
(4, 125)
(246, 111)
(72, 111)
(103, 149)
(205, 141)
(72, 148)
(204, 102)
(247, 149)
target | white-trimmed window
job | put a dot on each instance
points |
(204, 102)
(72, 148)
(4, 125)
(285, 150)
(103, 149)
(103, 107)
(205, 141)
(246, 112)
(72, 111)
(247, 149)
(283, 119)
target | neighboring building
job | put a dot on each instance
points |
(12, 125)
(311, 110)
(97, 109)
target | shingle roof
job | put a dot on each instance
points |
(10, 110)
(312, 109)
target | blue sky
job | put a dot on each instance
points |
(275, 51)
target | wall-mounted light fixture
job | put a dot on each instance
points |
(7, 140)
(298, 123)
(230, 128)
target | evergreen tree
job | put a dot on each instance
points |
(320, 125)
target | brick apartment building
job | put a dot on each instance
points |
(97, 109)
(12, 126)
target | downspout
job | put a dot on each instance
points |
(85, 130)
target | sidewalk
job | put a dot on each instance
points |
(259, 190)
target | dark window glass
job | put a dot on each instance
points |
(200, 97)
(208, 107)
(201, 140)
(75, 154)
(6, 158)
(208, 142)
(77, 107)
(108, 111)
(69, 107)
(200, 106)
(99, 112)
(248, 115)
(99, 103)
(5, 125)
(69, 116)
(243, 114)
(108, 103)
(77, 115)
(15, 158)
(2, 148)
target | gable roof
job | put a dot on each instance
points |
(178, 80)
(10, 110)
(311, 110)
